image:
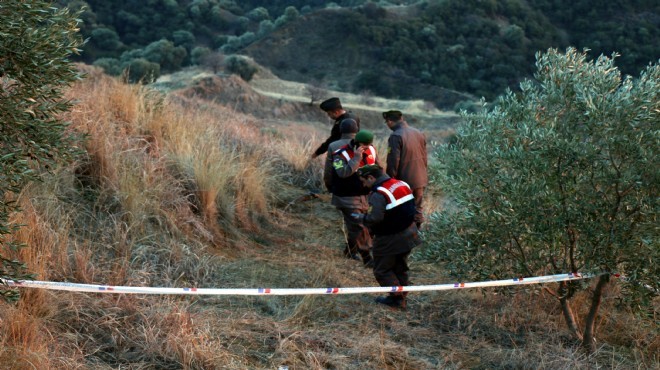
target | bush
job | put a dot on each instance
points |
(240, 66)
(142, 70)
(110, 66)
(561, 177)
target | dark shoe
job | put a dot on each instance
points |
(393, 301)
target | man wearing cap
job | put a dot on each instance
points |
(407, 159)
(345, 156)
(391, 217)
(332, 107)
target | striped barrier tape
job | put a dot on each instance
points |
(287, 291)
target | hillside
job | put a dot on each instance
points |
(275, 100)
(180, 190)
(443, 52)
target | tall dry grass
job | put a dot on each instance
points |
(174, 191)
(159, 181)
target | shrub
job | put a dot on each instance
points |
(240, 66)
(560, 177)
(142, 70)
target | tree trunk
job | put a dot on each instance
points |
(566, 310)
(589, 339)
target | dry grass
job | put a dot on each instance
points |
(182, 192)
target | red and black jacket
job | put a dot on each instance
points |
(351, 186)
(399, 207)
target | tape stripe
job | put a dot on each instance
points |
(90, 288)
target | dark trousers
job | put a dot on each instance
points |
(392, 270)
(357, 235)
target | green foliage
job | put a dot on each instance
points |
(184, 38)
(142, 70)
(36, 41)
(198, 54)
(105, 39)
(165, 54)
(110, 66)
(560, 177)
(258, 14)
(476, 46)
(240, 66)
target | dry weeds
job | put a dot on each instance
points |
(184, 192)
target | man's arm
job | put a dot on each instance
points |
(394, 144)
(323, 147)
(335, 135)
(377, 203)
(345, 168)
(327, 172)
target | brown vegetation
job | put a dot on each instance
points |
(178, 191)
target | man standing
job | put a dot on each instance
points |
(349, 196)
(391, 217)
(333, 108)
(407, 159)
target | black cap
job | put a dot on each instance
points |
(392, 115)
(331, 104)
(348, 126)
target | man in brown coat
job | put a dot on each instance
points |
(407, 159)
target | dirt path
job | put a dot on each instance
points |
(295, 91)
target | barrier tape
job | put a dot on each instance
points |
(287, 291)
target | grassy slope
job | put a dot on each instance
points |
(136, 212)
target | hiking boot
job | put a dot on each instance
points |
(393, 301)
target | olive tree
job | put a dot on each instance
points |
(36, 41)
(561, 176)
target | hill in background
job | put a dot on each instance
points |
(444, 52)
(276, 101)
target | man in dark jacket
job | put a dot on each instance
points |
(391, 217)
(333, 108)
(344, 157)
(407, 159)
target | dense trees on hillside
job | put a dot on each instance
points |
(481, 47)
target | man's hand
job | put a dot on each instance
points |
(360, 150)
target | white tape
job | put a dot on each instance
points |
(286, 291)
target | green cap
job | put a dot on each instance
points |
(369, 169)
(364, 137)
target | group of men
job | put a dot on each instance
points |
(382, 209)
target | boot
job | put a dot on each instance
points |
(394, 301)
